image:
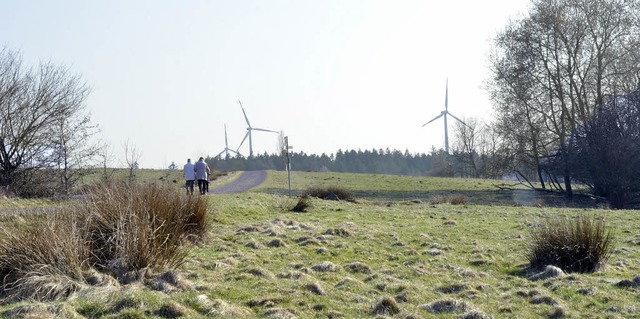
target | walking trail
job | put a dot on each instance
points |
(245, 182)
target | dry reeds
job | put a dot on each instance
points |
(582, 244)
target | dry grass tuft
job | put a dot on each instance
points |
(358, 267)
(45, 260)
(325, 266)
(303, 203)
(277, 243)
(169, 281)
(133, 227)
(635, 283)
(450, 223)
(315, 288)
(174, 310)
(582, 244)
(280, 313)
(445, 306)
(451, 289)
(342, 232)
(544, 300)
(386, 306)
(457, 200)
(220, 309)
(474, 314)
(558, 312)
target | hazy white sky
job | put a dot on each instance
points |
(331, 74)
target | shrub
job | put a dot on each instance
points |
(134, 227)
(45, 260)
(328, 192)
(457, 200)
(303, 203)
(582, 244)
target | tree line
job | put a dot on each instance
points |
(368, 161)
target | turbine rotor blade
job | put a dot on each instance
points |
(435, 118)
(220, 153)
(459, 120)
(226, 142)
(244, 139)
(245, 114)
(446, 97)
(263, 130)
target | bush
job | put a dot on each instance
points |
(328, 192)
(43, 260)
(135, 227)
(303, 203)
(581, 244)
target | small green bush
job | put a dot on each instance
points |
(581, 244)
(328, 192)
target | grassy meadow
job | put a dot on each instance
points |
(401, 250)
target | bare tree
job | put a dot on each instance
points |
(33, 104)
(105, 157)
(554, 68)
(73, 152)
(131, 156)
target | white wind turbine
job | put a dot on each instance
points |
(226, 145)
(249, 129)
(445, 113)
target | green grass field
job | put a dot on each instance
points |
(399, 251)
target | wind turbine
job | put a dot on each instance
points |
(445, 113)
(249, 129)
(226, 145)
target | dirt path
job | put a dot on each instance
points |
(245, 182)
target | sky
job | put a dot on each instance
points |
(167, 76)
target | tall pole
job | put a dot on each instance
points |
(287, 147)
(446, 112)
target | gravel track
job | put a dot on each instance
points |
(245, 182)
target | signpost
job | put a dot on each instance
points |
(288, 163)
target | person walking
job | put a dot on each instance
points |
(189, 175)
(202, 174)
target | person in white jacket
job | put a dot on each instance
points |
(202, 175)
(189, 175)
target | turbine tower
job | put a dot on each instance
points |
(249, 129)
(445, 113)
(226, 145)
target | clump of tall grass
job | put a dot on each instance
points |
(125, 230)
(303, 203)
(330, 192)
(135, 227)
(581, 244)
(45, 259)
